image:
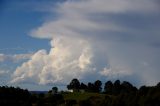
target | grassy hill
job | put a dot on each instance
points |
(78, 96)
(85, 99)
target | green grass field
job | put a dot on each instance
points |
(81, 96)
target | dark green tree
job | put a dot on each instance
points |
(108, 87)
(54, 89)
(91, 87)
(127, 87)
(116, 87)
(83, 86)
(74, 84)
(97, 86)
(143, 90)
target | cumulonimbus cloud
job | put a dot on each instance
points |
(59, 65)
(97, 38)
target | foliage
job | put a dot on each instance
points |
(108, 87)
(74, 84)
(14, 96)
(54, 90)
(114, 94)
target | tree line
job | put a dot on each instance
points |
(11, 96)
(118, 93)
(115, 93)
(75, 85)
(109, 87)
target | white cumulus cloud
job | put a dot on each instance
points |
(59, 65)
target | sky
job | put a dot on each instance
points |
(46, 43)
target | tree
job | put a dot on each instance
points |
(116, 87)
(91, 87)
(108, 87)
(117, 83)
(158, 85)
(143, 90)
(54, 90)
(97, 85)
(74, 84)
(127, 87)
(83, 86)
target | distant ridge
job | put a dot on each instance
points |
(38, 92)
